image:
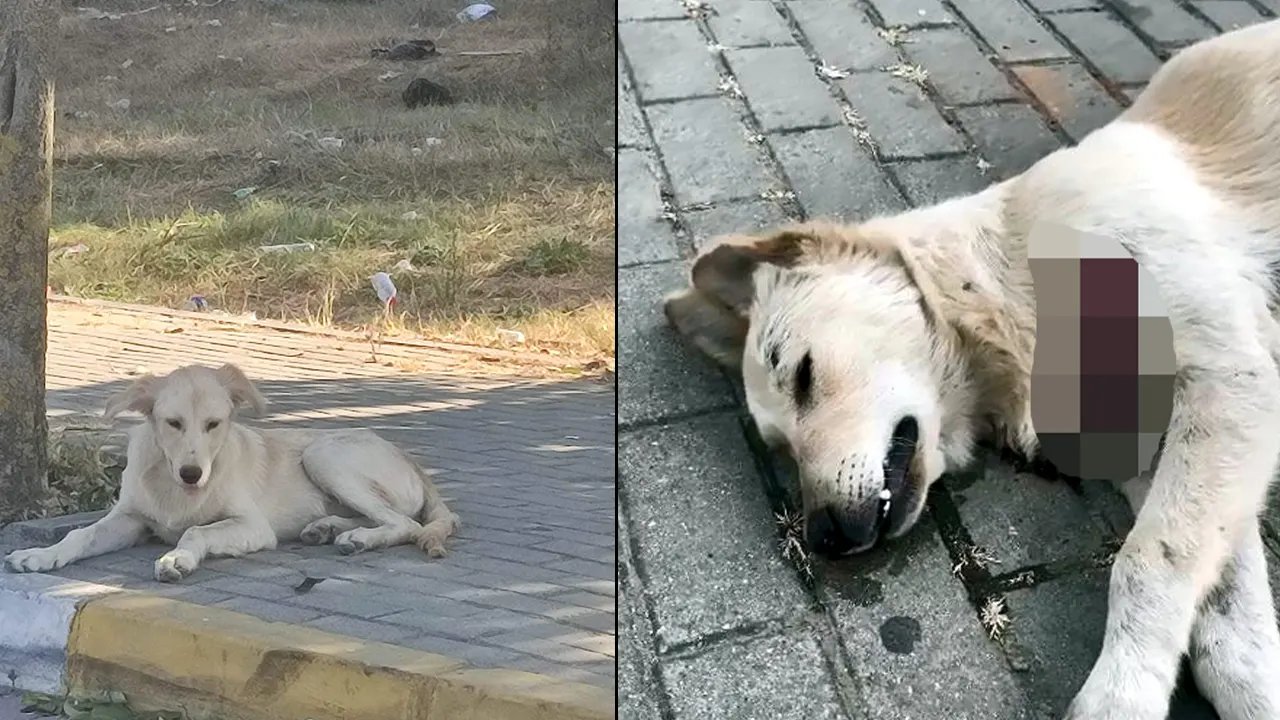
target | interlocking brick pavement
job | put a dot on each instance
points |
(527, 462)
(828, 113)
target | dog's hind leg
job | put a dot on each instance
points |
(1235, 643)
(1211, 483)
(367, 476)
(439, 521)
(324, 530)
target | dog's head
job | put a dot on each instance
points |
(190, 412)
(837, 342)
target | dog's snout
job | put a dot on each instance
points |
(832, 532)
(190, 474)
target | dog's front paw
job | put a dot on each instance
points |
(175, 565)
(1101, 701)
(33, 560)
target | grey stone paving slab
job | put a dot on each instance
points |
(899, 116)
(649, 9)
(1050, 6)
(631, 132)
(663, 376)
(1073, 97)
(1229, 14)
(782, 88)
(780, 677)
(1023, 519)
(833, 176)
(748, 217)
(929, 181)
(915, 647)
(670, 59)
(1012, 31)
(643, 235)
(704, 147)
(638, 692)
(1165, 22)
(747, 23)
(736, 576)
(912, 13)
(1010, 137)
(1109, 45)
(958, 69)
(841, 35)
(1055, 634)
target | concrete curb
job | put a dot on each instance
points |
(36, 614)
(60, 635)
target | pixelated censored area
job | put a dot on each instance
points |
(1102, 380)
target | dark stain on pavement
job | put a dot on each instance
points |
(900, 634)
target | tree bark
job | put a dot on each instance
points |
(27, 30)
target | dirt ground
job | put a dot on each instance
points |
(191, 134)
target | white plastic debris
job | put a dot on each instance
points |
(213, 23)
(126, 64)
(404, 266)
(288, 247)
(244, 192)
(831, 72)
(389, 75)
(410, 215)
(75, 250)
(385, 288)
(885, 494)
(511, 337)
(330, 143)
(477, 11)
(120, 105)
(433, 142)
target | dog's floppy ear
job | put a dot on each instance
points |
(240, 388)
(140, 396)
(712, 313)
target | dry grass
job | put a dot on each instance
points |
(791, 527)
(81, 477)
(502, 203)
(995, 617)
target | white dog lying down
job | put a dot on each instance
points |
(196, 478)
(877, 353)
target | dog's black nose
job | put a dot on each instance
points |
(829, 532)
(190, 474)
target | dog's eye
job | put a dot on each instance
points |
(175, 424)
(212, 424)
(804, 380)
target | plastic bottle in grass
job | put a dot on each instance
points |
(385, 288)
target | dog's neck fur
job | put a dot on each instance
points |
(969, 257)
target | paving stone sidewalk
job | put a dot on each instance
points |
(527, 463)
(740, 114)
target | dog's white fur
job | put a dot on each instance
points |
(255, 488)
(931, 312)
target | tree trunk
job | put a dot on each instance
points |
(26, 161)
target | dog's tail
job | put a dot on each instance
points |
(438, 521)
